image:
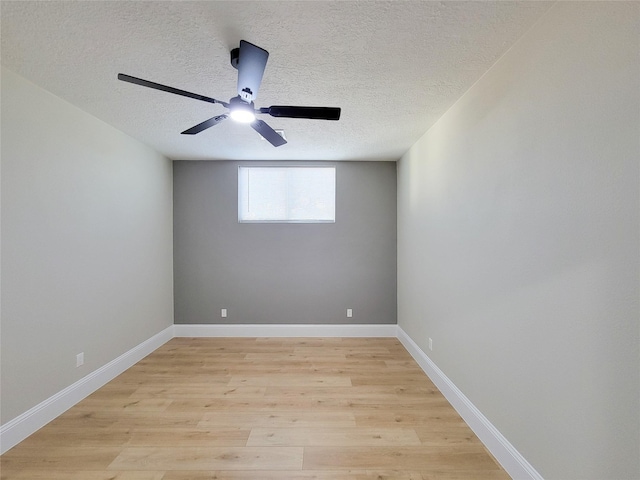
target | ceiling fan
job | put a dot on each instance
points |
(250, 61)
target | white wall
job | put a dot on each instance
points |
(518, 242)
(86, 244)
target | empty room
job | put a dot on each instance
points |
(329, 240)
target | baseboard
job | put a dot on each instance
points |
(506, 454)
(16, 430)
(241, 330)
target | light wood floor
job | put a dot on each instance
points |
(260, 409)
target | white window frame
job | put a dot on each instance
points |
(242, 202)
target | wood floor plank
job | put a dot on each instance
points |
(116, 421)
(190, 437)
(81, 475)
(447, 434)
(300, 380)
(276, 358)
(299, 419)
(390, 379)
(197, 391)
(498, 474)
(59, 458)
(176, 379)
(384, 393)
(411, 458)
(391, 418)
(124, 404)
(259, 404)
(213, 458)
(77, 437)
(113, 390)
(340, 350)
(295, 475)
(318, 437)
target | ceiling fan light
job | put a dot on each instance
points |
(243, 115)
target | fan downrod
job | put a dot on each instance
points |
(235, 55)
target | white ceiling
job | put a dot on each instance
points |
(394, 67)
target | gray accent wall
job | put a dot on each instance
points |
(519, 242)
(284, 273)
(86, 244)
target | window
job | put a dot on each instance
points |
(287, 194)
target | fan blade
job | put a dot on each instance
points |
(206, 124)
(165, 88)
(252, 61)
(268, 133)
(316, 113)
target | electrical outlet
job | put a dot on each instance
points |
(223, 313)
(349, 312)
(80, 359)
(430, 344)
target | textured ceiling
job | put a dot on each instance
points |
(394, 67)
